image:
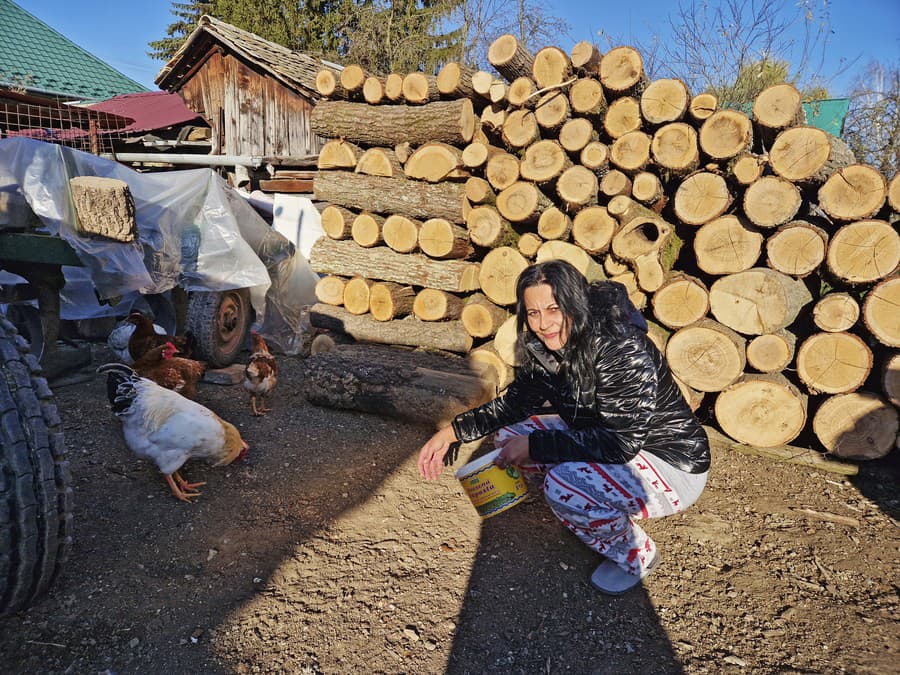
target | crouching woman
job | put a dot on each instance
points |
(621, 445)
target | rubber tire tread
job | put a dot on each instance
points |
(202, 312)
(35, 483)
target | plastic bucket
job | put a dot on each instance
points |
(490, 488)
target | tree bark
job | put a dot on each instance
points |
(410, 331)
(441, 121)
(586, 58)
(890, 379)
(390, 195)
(455, 80)
(345, 258)
(410, 385)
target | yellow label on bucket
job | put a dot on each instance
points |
(490, 488)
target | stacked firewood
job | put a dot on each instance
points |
(765, 257)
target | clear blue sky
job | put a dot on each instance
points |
(118, 33)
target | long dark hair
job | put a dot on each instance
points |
(587, 309)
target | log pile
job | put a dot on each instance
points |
(764, 255)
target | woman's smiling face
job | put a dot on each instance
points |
(545, 318)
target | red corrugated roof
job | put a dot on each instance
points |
(151, 110)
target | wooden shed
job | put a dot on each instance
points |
(256, 95)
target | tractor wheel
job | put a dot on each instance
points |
(219, 323)
(35, 491)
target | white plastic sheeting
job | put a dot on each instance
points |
(193, 231)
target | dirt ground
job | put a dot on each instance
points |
(325, 553)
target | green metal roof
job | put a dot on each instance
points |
(38, 59)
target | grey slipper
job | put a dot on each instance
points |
(611, 579)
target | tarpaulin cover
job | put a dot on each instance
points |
(193, 231)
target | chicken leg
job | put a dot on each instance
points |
(258, 409)
(183, 490)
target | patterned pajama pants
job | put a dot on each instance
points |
(600, 503)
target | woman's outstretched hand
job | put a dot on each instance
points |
(431, 456)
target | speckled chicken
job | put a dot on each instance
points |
(260, 374)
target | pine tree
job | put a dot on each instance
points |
(187, 13)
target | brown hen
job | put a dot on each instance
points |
(144, 338)
(172, 372)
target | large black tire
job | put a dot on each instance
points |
(35, 491)
(219, 323)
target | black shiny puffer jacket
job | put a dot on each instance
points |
(635, 406)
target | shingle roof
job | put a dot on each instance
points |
(38, 59)
(295, 69)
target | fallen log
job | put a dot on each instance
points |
(393, 382)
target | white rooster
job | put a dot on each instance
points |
(164, 426)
